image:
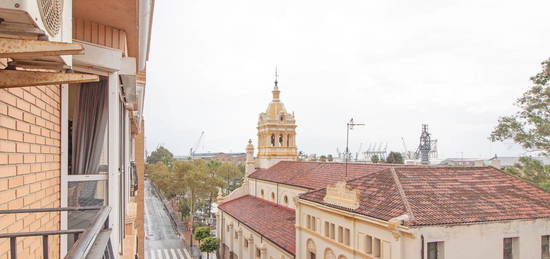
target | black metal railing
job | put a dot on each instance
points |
(92, 242)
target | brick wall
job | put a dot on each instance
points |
(30, 146)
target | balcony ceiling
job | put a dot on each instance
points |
(121, 14)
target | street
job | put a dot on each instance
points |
(162, 241)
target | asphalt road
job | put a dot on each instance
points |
(162, 241)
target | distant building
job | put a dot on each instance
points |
(506, 161)
(469, 162)
(236, 158)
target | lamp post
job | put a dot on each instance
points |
(350, 126)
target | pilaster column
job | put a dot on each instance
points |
(240, 243)
(231, 237)
(252, 247)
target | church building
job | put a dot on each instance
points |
(310, 210)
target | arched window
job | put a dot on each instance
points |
(281, 140)
(285, 200)
(282, 118)
(273, 140)
(272, 196)
(329, 254)
(311, 250)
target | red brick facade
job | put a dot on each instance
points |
(30, 165)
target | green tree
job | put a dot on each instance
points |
(202, 233)
(184, 208)
(530, 126)
(161, 154)
(394, 158)
(195, 180)
(161, 177)
(209, 245)
(323, 158)
(531, 170)
(330, 158)
(231, 175)
(374, 159)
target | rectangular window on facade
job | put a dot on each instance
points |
(340, 234)
(313, 223)
(347, 236)
(258, 253)
(327, 230)
(510, 249)
(545, 247)
(368, 245)
(435, 250)
(308, 221)
(376, 247)
(332, 232)
(245, 243)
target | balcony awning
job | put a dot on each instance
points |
(34, 54)
(20, 78)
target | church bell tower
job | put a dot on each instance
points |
(276, 133)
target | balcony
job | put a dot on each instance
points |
(90, 242)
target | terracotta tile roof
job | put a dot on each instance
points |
(314, 175)
(270, 220)
(445, 195)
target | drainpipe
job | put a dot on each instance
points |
(422, 248)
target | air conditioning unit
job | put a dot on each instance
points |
(43, 18)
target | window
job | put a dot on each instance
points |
(272, 196)
(545, 247)
(376, 247)
(258, 253)
(435, 250)
(311, 223)
(236, 234)
(510, 250)
(285, 200)
(262, 193)
(368, 245)
(272, 140)
(245, 243)
(281, 140)
(332, 231)
(327, 230)
(340, 234)
(346, 236)
(311, 249)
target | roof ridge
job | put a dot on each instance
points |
(402, 194)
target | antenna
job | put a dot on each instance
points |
(276, 77)
(350, 126)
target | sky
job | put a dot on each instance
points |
(391, 64)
